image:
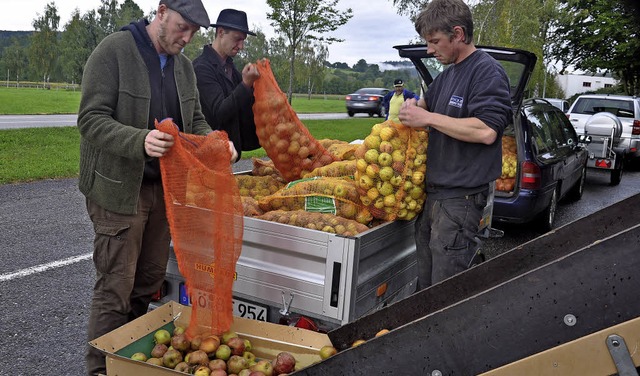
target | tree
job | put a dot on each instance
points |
(43, 50)
(312, 59)
(301, 20)
(128, 12)
(361, 66)
(15, 59)
(600, 35)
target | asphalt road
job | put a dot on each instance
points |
(46, 273)
(31, 121)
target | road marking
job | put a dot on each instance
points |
(44, 267)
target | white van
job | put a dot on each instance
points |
(560, 103)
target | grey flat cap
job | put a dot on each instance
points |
(191, 10)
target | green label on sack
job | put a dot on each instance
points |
(320, 204)
(291, 184)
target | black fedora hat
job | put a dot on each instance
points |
(233, 19)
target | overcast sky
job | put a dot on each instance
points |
(370, 34)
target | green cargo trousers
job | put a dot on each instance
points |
(130, 256)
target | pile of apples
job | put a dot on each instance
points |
(212, 355)
(390, 171)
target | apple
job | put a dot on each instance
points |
(263, 366)
(385, 159)
(382, 332)
(198, 357)
(358, 342)
(389, 201)
(250, 357)
(371, 156)
(195, 342)
(339, 191)
(180, 342)
(179, 330)
(226, 336)
(218, 364)
(171, 358)
(387, 133)
(386, 173)
(361, 165)
(162, 336)
(245, 372)
(223, 352)
(386, 189)
(327, 351)
(372, 170)
(236, 344)
(183, 367)
(202, 371)
(139, 356)
(371, 141)
(155, 361)
(398, 155)
(386, 147)
(247, 345)
(218, 372)
(209, 344)
(158, 350)
(236, 363)
(365, 182)
(283, 363)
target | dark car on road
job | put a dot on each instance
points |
(367, 100)
(545, 164)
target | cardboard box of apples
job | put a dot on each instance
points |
(260, 348)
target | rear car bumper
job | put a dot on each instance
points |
(368, 106)
(523, 207)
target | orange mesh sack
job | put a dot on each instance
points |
(335, 169)
(316, 221)
(258, 186)
(336, 196)
(507, 180)
(390, 171)
(265, 168)
(343, 152)
(204, 211)
(282, 135)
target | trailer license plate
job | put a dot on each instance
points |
(241, 308)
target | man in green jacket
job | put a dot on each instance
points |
(133, 77)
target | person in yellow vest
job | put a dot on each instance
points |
(394, 99)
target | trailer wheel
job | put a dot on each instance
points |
(616, 174)
(548, 215)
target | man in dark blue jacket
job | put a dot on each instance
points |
(394, 99)
(226, 94)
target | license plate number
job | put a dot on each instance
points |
(241, 308)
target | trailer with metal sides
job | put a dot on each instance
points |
(559, 304)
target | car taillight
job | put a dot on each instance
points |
(348, 97)
(636, 127)
(530, 178)
(373, 98)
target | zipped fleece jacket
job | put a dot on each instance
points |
(113, 120)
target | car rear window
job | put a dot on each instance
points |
(590, 106)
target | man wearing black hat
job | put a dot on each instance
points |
(226, 94)
(394, 99)
(133, 77)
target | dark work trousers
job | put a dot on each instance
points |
(446, 236)
(130, 256)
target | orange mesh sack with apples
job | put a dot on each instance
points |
(332, 195)
(316, 221)
(390, 171)
(205, 216)
(286, 140)
(335, 169)
(258, 186)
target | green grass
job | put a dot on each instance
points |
(49, 153)
(29, 101)
(38, 153)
